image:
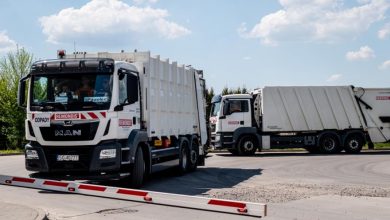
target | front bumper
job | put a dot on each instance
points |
(222, 140)
(88, 162)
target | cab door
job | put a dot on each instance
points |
(129, 104)
(237, 114)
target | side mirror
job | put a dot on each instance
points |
(22, 92)
(121, 74)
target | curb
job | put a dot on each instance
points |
(13, 154)
(39, 214)
(42, 215)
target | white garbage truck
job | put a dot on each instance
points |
(324, 119)
(112, 116)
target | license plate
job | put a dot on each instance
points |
(67, 157)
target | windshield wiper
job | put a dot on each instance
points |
(50, 106)
(94, 105)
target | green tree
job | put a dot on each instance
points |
(12, 67)
(209, 96)
(225, 90)
(238, 91)
(244, 90)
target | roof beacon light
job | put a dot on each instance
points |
(61, 54)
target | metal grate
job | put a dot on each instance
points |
(77, 132)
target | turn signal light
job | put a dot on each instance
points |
(157, 143)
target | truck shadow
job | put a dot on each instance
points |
(306, 154)
(194, 183)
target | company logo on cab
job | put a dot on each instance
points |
(67, 116)
(40, 119)
(383, 98)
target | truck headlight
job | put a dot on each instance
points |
(107, 153)
(217, 138)
(32, 155)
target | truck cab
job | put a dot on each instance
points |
(75, 104)
(231, 123)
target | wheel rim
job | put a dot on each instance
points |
(329, 143)
(193, 157)
(248, 146)
(353, 144)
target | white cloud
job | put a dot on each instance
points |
(139, 2)
(384, 32)
(364, 53)
(6, 43)
(334, 77)
(385, 65)
(247, 58)
(104, 19)
(316, 20)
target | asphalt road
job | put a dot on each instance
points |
(295, 185)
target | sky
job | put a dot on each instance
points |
(251, 43)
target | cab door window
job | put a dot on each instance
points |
(238, 106)
(123, 90)
(128, 87)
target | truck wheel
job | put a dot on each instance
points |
(329, 144)
(353, 143)
(138, 170)
(183, 159)
(246, 146)
(193, 157)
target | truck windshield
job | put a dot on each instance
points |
(71, 92)
(215, 108)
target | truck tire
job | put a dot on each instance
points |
(353, 144)
(246, 146)
(183, 158)
(193, 156)
(138, 170)
(329, 144)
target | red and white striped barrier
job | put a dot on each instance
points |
(193, 202)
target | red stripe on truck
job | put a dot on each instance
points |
(23, 180)
(132, 192)
(93, 116)
(55, 183)
(227, 203)
(103, 114)
(93, 188)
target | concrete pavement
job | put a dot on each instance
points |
(11, 211)
(296, 186)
